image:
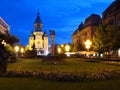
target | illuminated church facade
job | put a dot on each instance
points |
(38, 39)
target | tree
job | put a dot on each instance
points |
(8, 38)
(102, 38)
(11, 39)
(77, 47)
(4, 52)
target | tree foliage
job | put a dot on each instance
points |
(5, 51)
(77, 47)
(102, 38)
(30, 53)
(8, 38)
(106, 38)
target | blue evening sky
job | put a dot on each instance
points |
(63, 16)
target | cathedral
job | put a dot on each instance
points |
(38, 39)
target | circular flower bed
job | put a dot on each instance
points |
(53, 60)
(103, 75)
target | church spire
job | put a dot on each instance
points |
(38, 20)
(38, 23)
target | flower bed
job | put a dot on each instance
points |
(103, 75)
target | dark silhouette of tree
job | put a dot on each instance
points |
(4, 53)
(11, 39)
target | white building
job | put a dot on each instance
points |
(3, 26)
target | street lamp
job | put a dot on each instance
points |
(62, 45)
(88, 44)
(59, 50)
(67, 48)
(22, 51)
(16, 50)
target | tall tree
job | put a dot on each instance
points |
(102, 38)
(11, 39)
(4, 52)
(78, 47)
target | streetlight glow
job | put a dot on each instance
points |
(88, 44)
(59, 50)
(62, 45)
(16, 48)
(67, 48)
(22, 51)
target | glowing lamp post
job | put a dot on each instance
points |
(22, 51)
(59, 50)
(62, 45)
(16, 50)
(88, 44)
(67, 48)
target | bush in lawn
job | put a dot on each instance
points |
(53, 60)
(4, 55)
(30, 53)
(12, 57)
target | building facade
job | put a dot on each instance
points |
(86, 31)
(3, 26)
(38, 38)
(112, 14)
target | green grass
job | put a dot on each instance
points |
(37, 84)
(73, 65)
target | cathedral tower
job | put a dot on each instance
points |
(38, 38)
(38, 23)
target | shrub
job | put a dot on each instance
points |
(53, 60)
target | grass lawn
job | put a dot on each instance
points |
(72, 65)
(38, 84)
